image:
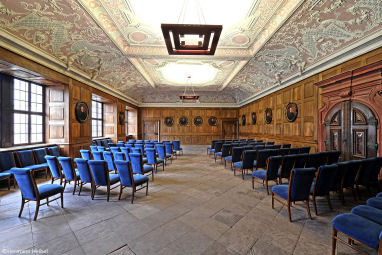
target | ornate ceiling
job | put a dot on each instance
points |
(264, 46)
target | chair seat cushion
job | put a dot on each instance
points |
(114, 178)
(5, 175)
(48, 190)
(379, 194)
(160, 160)
(229, 158)
(37, 166)
(358, 228)
(212, 150)
(147, 168)
(238, 164)
(168, 155)
(144, 160)
(139, 179)
(375, 202)
(281, 190)
(219, 154)
(368, 212)
(209, 148)
(259, 174)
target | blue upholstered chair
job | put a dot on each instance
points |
(235, 156)
(149, 145)
(54, 168)
(105, 143)
(109, 145)
(286, 167)
(108, 157)
(131, 140)
(348, 170)
(146, 141)
(115, 149)
(69, 171)
(298, 189)
(271, 173)
(119, 144)
(93, 148)
(39, 155)
(217, 149)
(313, 160)
(169, 150)
(225, 152)
(126, 151)
(300, 160)
(31, 192)
(97, 155)
(7, 162)
(102, 177)
(287, 145)
(356, 228)
(128, 179)
(261, 159)
(161, 150)
(119, 156)
(139, 141)
(98, 142)
(153, 160)
(333, 157)
(101, 148)
(368, 174)
(211, 148)
(54, 151)
(294, 151)
(283, 151)
(177, 147)
(84, 172)
(305, 149)
(325, 176)
(140, 147)
(246, 163)
(270, 143)
(375, 202)
(85, 154)
(138, 167)
(368, 212)
(128, 145)
(26, 160)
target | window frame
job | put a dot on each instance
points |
(29, 112)
(98, 119)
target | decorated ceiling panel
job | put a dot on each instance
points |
(118, 43)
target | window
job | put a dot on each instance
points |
(126, 122)
(28, 112)
(97, 120)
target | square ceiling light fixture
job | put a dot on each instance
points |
(191, 39)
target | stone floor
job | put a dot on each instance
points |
(195, 206)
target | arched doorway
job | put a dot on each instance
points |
(351, 127)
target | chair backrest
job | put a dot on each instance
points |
(139, 141)
(128, 145)
(139, 146)
(100, 148)
(98, 142)
(294, 151)
(168, 148)
(325, 179)
(111, 145)
(273, 166)
(85, 154)
(270, 143)
(313, 160)
(323, 159)
(248, 147)
(274, 152)
(236, 154)
(114, 149)
(25, 158)
(83, 169)
(7, 161)
(259, 147)
(93, 148)
(119, 156)
(176, 144)
(287, 145)
(276, 146)
(368, 172)
(67, 167)
(126, 151)
(54, 151)
(151, 157)
(40, 154)
(226, 150)
(300, 182)
(108, 157)
(105, 143)
(349, 170)
(248, 157)
(287, 165)
(97, 155)
(333, 157)
(305, 149)
(26, 183)
(119, 144)
(99, 171)
(262, 156)
(146, 141)
(125, 173)
(161, 150)
(149, 145)
(284, 151)
(131, 140)
(136, 163)
(53, 166)
(259, 141)
(300, 160)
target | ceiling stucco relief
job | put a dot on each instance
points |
(306, 39)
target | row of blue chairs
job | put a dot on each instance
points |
(363, 224)
(32, 159)
(240, 143)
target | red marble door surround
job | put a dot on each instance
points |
(362, 85)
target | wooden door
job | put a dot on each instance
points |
(151, 130)
(230, 129)
(351, 127)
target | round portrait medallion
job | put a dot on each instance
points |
(82, 112)
(243, 120)
(198, 121)
(212, 121)
(183, 121)
(169, 121)
(254, 118)
(291, 112)
(268, 115)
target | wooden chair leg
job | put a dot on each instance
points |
(289, 215)
(315, 205)
(253, 182)
(152, 175)
(132, 195)
(93, 191)
(52, 179)
(329, 202)
(22, 206)
(14, 182)
(273, 201)
(108, 193)
(147, 188)
(242, 173)
(308, 209)
(120, 192)
(62, 199)
(9, 183)
(37, 208)
(47, 201)
(75, 185)
(266, 186)
(334, 241)
(81, 184)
